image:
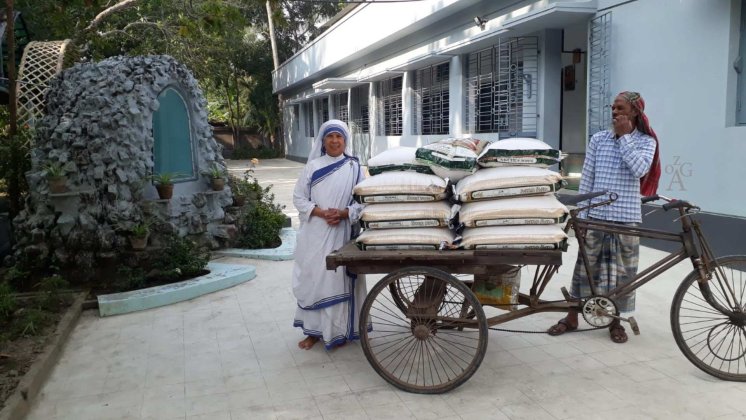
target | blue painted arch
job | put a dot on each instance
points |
(173, 149)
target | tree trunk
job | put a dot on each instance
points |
(276, 62)
(11, 44)
(232, 118)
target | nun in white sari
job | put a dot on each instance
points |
(329, 302)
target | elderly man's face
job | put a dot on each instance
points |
(622, 107)
(334, 143)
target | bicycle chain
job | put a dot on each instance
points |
(544, 331)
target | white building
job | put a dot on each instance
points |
(409, 73)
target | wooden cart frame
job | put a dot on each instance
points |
(424, 331)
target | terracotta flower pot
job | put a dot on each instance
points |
(165, 191)
(57, 184)
(239, 200)
(139, 243)
(217, 184)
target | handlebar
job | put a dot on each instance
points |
(650, 198)
(671, 203)
(677, 204)
(575, 199)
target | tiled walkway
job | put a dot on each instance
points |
(233, 355)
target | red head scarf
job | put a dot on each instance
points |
(649, 182)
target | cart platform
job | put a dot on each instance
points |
(478, 261)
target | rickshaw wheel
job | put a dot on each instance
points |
(423, 330)
(714, 341)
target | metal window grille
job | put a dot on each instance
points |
(599, 74)
(322, 106)
(431, 100)
(361, 113)
(340, 105)
(390, 106)
(308, 115)
(502, 87)
(295, 115)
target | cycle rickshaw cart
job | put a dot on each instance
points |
(424, 330)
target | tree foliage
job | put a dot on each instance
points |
(224, 42)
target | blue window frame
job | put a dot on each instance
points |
(172, 134)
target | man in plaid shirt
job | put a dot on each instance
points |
(622, 160)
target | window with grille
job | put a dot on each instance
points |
(502, 88)
(599, 74)
(295, 115)
(322, 106)
(390, 106)
(740, 66)
(431, 100)
(361, 114)
(308, 119)
(340, 105)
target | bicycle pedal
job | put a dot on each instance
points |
(633, 325)
(565, 293)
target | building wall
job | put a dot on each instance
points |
(679, 55)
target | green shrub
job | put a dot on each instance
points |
(15, 161)
(128, 279)
(7, 301)
(180, 258)
(261, 152)
(261, 218)
(50, 288)
(30, 322)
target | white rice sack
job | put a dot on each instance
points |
(422, 238)
(539, 210)
(397, 159)
(401, 187)
(515, 237)
(406, 215)
(452, 158)
(519, 151)
(508, 181)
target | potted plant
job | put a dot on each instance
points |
(164, 183)
(240, 189)
(139, 236)
(56, 178)
(216, 175)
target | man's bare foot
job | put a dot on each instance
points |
(307, 342)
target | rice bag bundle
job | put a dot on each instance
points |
(401, 187)
(397, 239)
(452, 158)
(406, 215)
(515, 237)
(397, 159)
(519, 151)
(537, 210)
(508, 181)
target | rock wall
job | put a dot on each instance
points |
(98, 126)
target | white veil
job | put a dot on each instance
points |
(318, 143)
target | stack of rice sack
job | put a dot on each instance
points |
(509, 204)
(406, 204)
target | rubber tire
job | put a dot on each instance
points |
(388, 281)
(676, 328)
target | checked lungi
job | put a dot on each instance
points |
(613, 259)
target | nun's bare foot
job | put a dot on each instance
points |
(307, 342)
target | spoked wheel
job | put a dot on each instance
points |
(400, 290)
(418, 335)
(714, 341)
